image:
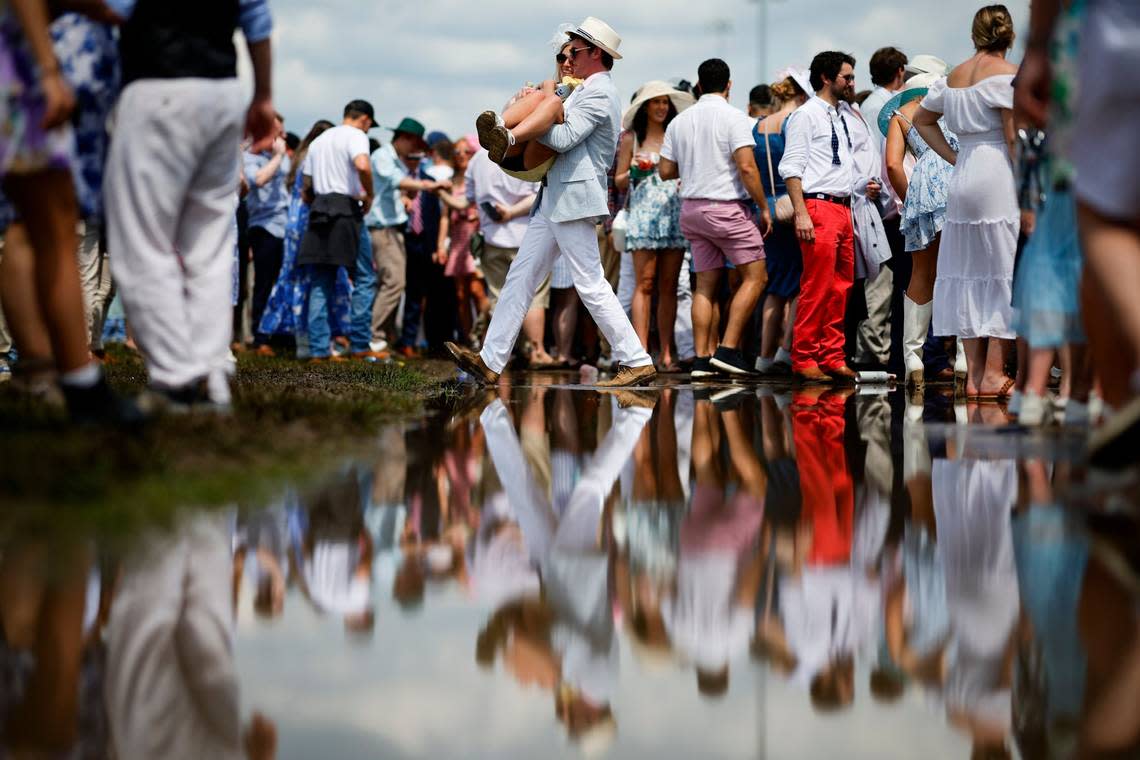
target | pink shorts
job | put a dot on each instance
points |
(720, 231)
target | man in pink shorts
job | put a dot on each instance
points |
(709, 146)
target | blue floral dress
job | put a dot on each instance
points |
(89, 60)
(654, 216)
(924, 210)
(286, 312)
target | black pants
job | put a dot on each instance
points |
(267, 254)
(243, 259)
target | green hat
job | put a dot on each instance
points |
(410, 126)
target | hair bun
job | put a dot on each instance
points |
(784, 90)
(993, 29)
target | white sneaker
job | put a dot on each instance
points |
(1036, 411)
(378, 346)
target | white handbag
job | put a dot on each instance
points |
(618, 229)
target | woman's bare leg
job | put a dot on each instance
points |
(46, 202)
(772, 325)
(18, 297)
(668, 272)
(645, 280)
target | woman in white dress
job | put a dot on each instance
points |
(973, 290)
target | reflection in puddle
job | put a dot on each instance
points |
(719, 572)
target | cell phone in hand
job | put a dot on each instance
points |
(490, 210)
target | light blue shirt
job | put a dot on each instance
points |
(268, 205)
(254, 18)
(387, 171)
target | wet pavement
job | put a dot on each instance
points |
(683, 571)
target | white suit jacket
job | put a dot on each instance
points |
(587, 141)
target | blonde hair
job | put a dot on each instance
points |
(993, 29)
(786, 90)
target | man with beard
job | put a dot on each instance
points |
(818, 169)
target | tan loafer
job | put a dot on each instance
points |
(627, 376)
(471, 363)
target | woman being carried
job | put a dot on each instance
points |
(511, 140)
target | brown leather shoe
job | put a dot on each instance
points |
(812, 376)
(471, 363)
(841, 373)
(628, 399)
(627, 376)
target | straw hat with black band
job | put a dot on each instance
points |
(655, 89)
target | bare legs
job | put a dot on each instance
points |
(656, 272)
(46, 202)
(1112, 252)
(985, 365)
(18, 295)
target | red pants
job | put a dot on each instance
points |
(827, 487)
(829, 270)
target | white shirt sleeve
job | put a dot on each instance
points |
(358, 145)
(741, 135)
(797, 145)
(666, 151)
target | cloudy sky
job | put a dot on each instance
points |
(444, 61)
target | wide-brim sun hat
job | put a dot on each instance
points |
(926, 64)
(655, 89)
(599, 34)
(915, 87)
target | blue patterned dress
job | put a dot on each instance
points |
(89, 61)
(654, 216)
(924, 210)
(286, 312)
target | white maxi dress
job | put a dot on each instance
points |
(973, 290)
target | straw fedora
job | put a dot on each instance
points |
(915, 87)
(649, 91)
(599, 34)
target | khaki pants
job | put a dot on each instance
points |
(95, 277)
(495, 263)
(390, 257)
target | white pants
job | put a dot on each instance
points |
(171, 193)
(578, 241)
(172, 689)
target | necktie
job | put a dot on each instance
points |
(835, 140)
(417, 221)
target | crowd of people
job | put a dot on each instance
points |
(926, 227)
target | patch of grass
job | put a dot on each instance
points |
(291, 423)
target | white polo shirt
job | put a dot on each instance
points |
(329, 161)
(808, 152)
(701, 141)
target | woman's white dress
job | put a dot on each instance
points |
(973, 290)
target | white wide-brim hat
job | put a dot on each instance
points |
(927, 64)
(600, 34)
(655, 89)
(915, 87)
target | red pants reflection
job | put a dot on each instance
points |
(828, 491)
(829, 270)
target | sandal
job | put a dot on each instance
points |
(1001, 395)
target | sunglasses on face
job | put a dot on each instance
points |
(847, 77)
(561, 58)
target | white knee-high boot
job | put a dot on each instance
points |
(960, 366)
(916, 324)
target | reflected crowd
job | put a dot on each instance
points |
(828, 538)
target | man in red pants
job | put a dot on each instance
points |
(818, 169)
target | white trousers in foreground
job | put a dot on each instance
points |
(171, 193)
(578, 241)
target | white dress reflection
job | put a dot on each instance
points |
(973, 501)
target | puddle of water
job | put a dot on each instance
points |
(713, 571)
